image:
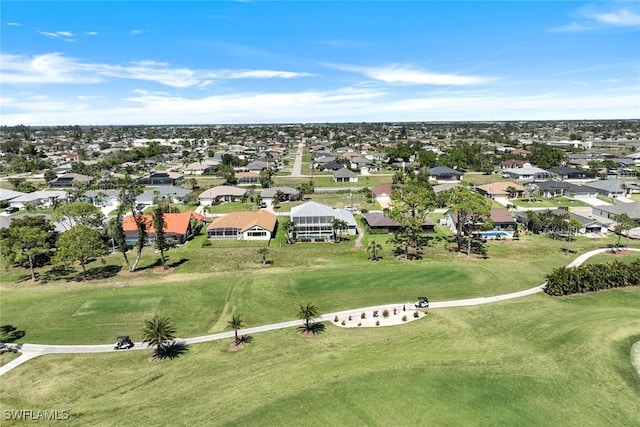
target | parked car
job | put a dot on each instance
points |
(11, 209)
(423, 302)
(123, 342)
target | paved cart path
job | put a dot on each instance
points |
(29, 351)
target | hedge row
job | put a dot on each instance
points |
(592, 277)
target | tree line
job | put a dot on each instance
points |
(592, 277)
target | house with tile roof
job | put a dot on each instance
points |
(500, 189)
(221, 193)
(260, 225)
(179, 227)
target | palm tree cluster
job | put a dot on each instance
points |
(592, 277)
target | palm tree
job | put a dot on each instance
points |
(288, 227)
(158, 332)
(309, 313)
(338, 224)
(235, 323)
(373, 248)
(264, 252)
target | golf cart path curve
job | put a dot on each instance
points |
(30, 351)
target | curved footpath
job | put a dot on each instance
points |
(29, 351)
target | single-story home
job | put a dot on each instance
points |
(526, 173)
(162, 192)
(376, 220)
(445, 173)
(345, 175)
(611, 211)
(589, 225)
(290, 194)
(44, 198)
(248, 178)
(161, 178)
(178, 227)
(609, 188)
(6, 195)
(221, 193)
(70, 180)
(258, 225)
(501, 189)
(563, 172)
(504, 225)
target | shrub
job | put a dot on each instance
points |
(206, 243)
(385, 313)
(416, 314)
(404, 318)
(363, 315)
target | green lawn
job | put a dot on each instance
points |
(549, 203)
(536, 361)
(208, 282)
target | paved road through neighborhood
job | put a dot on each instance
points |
(29, 351)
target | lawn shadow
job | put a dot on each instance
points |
(171, 351)
(177, 263)
(101, 272)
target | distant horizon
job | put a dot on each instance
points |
(157, 63)
(390, 123)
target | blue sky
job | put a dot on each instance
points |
(208, 62)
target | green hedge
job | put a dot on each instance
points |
(592, 277)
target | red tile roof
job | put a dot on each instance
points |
(176, 223)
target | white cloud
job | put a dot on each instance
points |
(56, 34)
(403, 74)
(347, 104)
(92, 33)
(623, 18)
(590, 19)
(56, 68)
(136, 32)
(14, 24)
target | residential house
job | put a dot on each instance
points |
(44, 199)
(221, 193)
(248, 178)
(290, 194)
(161, 178)
(6, 195)
(179, 227)
(512, 163)
(501, 189)
(526, 173)
(551, 189)
(330, 166)
(379, 221)
(70, 180)
(445, 174)
(102, 198)
(259, 165)
(609, 212)
(563, 172)
(589, 226)
(207, 166)
(503, 224)
(609, 188)
(345, 175)
(169, 193)
(313, 221)
(258, 225)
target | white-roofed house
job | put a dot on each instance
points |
(45, 199)
(313, 221)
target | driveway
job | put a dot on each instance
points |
(29, 351)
